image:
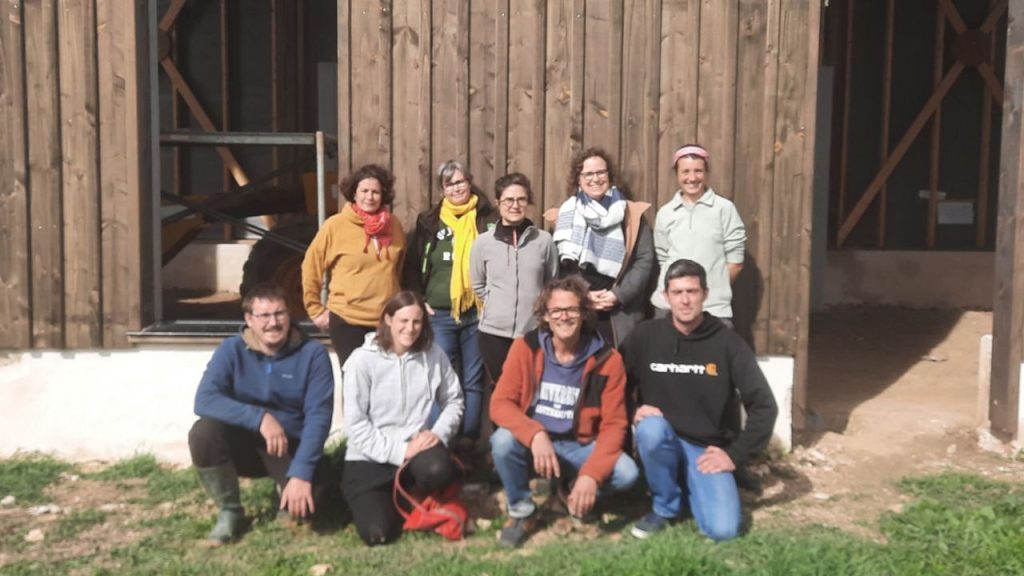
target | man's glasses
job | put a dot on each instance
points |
(265, 317)
(510, 202)
(595, 175)
(570, 312)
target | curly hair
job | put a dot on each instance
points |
(573, 183)
(387, 183)
(575, 284)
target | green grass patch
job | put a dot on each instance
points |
(138, 466)
(26, 476)
(163, 484)
(75, 523)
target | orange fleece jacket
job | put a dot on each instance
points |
(600, 414)
(360, 282)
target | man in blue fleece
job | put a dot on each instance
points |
(264, 405)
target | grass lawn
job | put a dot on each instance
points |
(137, 517)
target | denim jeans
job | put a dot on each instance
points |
(514, 462)
(668, 459)
(459, 342)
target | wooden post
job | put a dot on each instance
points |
(526, 88)
(449, 90)
(639, 162)
(1008, 306)
(936, 141)
(14, 246)
(371, 82)
(677, 101)
(411, 103)
(984, 160)
(602, 81)
(890, 18)
(344, 90)
(563, 100)
(716, 90)
(844, 153)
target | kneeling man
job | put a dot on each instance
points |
(686, 371)
(264, 405)
(560, 407)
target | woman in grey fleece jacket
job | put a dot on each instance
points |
(508, 267)
(391, 386)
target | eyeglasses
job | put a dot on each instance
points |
(265, 317)
(595, 175)
(456, 184)
(509, 202)
(570, 312)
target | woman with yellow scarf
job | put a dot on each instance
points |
(438, 267)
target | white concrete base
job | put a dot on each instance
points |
(111, 405)
(208, 266)
(986, 439)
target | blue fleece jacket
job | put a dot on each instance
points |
(296, 386)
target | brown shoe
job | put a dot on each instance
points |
(516, 530)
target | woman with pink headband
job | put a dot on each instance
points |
(702, 226)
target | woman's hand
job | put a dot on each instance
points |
(430, 310)
(323, 321)
(603, 300)
(423, 440)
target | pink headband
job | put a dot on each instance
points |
(690, 151)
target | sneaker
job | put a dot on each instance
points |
(648, 525)
(515, 531)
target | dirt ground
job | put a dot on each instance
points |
(892, 393)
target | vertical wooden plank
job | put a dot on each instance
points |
(526, 88)
(984, 160)
(716, 90)
(501, 75)
(936, 139)
(602, 110)
(883, 196)
(563, 99)
(143, 268)
(344, 89)
(483, 90)
(677, 102)
(1008, 307)
(450, 82)
(44, 164)
(791, 178)
(757, 73)
(847, 92)
(641, 65)
(79, 102)
(411, 94)
(370, 94)
(14, 234)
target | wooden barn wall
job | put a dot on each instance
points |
(72, 163)
(523, 85)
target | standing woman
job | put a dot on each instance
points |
(509, 267)
(603, 235)
(699, 225)
(390, 385)
(438, 266)
(363, 248)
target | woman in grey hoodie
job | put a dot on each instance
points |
(508, 268)
(391, 386)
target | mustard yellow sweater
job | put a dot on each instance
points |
(360, 284)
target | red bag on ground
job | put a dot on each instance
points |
(441, 512)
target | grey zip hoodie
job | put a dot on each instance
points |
(388, 399)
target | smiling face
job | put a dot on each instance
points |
(406, 325)
(686, 298)
(369, 195)
(690, 173)
(564, 315)
(594, 177)
(457, 189)
(269, 322)
(512, 205)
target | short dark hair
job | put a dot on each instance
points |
(575, 284)
(387, 183)
(262, 291)
(684, 267)
(394, 304)
(513, 179)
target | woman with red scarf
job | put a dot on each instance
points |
(362, 248)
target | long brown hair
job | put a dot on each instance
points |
(394, 304)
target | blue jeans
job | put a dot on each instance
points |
(514, 462)
(667, 458)
(460, 343)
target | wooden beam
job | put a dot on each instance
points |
(716, 90)
(79, 104)
(943, 11)
(449, 102)
(602, 109)
(344, 89)
(371, 83)
(984, 163)
(901, 148)
(167, 21)
(227, 231)
(677, 100)
(890, 25)
(14, 232)
(44, 163)
(526, 88)
(1008, 306)
(410, 55)
(563, 98)
(641, 62)
(844, 154)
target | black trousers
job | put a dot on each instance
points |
(213, 443)
(494, 349)
(346, 337)
(368, 490)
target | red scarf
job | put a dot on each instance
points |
(375, 226)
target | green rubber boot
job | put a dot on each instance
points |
(221, 483)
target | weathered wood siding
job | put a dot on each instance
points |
(73, 219)
(523, 85)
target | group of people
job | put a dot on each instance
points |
(557, 321)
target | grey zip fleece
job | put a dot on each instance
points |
(388, 399)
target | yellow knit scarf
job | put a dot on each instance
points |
(462, 220)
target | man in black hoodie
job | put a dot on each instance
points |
(686, 372)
